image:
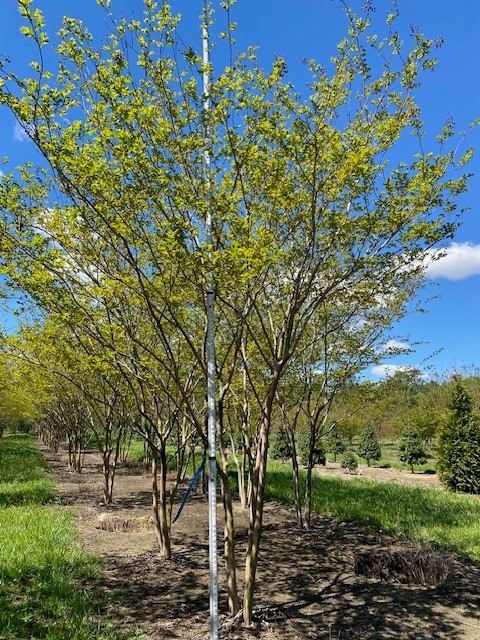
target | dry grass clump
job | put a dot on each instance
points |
(126, 524)
(417, 566)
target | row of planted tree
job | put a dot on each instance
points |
(319, 245)
(449, 431)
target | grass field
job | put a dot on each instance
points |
(430, 516)
(136, 453)
(42, 572)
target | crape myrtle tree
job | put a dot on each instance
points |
(19, 409)
(65, 418)
(323, 225)
(290, 398)
(242, 416)
(64, 409)
(347, 341)
(343, 340)
(93, 402)
(100, 250)
(307, 204)
(88, 400)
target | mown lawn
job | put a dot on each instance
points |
(450, 520)
(43, 573)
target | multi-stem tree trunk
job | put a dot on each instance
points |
(243, 464)
(159, 501)
(317, 426)
(110, 467)
(147, 458)
(71, 449)
(108, 476)
(307, 506)
(257, 500)
(76, 452)
(229, 526)
(108, 439)
(296, 482)
(54, 443)
(256, 520)
(229, 535)
(290, 427)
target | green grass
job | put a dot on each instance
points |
(136, 451)
(43, 573)
(426, 515)
(23, 478)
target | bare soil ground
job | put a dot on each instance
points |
(307, 584)
(427, 480)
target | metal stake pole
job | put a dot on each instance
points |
(212, 459)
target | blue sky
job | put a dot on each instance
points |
(447, 336)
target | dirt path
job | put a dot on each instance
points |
(307, 585)
(399, 476)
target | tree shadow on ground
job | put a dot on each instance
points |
(312, 578)
(307, 586)
(161, 595)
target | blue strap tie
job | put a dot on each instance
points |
(191, 486)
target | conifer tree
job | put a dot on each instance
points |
(349, 461)
(334, 443)
(280, 449)
(369, 446)
(304, 448)
(411, 448)
(458, 453)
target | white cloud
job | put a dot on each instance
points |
(396, 345)
(19, 133)
(388, 370)
(459, 260)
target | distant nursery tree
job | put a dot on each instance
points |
(369, 446)
(281, 448)
(458, 451)
(304, 448)
(334, 443)
(411, 448)
(349, 461)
